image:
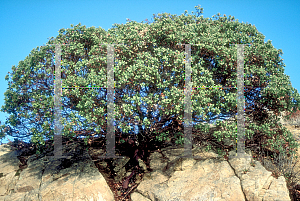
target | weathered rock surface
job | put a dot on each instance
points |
(171, 177)
(208, 178)
(47, 178)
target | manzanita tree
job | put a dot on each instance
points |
(152, 58)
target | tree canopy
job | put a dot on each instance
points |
(152, 58)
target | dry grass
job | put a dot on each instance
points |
(287, 166)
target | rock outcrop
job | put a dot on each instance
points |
(208, 178)
(45, 178)
(165, 176)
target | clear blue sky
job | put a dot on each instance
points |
(28, 24)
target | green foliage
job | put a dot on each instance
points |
(163, 137)
(179, 138)
(18, 172)
(151, 58)
(86, 140)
